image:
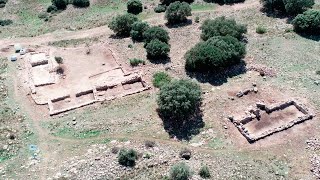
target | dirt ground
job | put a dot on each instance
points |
(67, 138)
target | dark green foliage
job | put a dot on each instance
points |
(168, 2)
(179, 99)
(160, 78)
(157, 49)
(3, 3)
(138, 28)
(215, 53)
(204, 172)
(308, 22)
(178, 12)
(58, 59)
(52, 9)
(261, 30)
(136, 62)
(222, 26)
(149, 144)
(134, 6)
(156, 32)
(160, 8)
(180, 172)
(318, 72)
(60, 4)
(5, 22)
(81, 3)
(197, 19)
(127, 157)
(224, 1)
(294, 7)
(291, 7)
(122, 24)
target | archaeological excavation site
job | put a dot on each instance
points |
(66, 79)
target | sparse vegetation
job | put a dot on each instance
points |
(157, 49)
(261, 30)
(179, 99)
(134, 6)
(160, 8)
(308, 22)
(138, 28)
(136, 62)
(149, 144)
(180, 172)
(215, 53)
(127, 157)
(81, 3)
(156, 33)
(222, 26)
(160, 79)
(185, 154)
(178, 12)
(122, 24)
(204, 172)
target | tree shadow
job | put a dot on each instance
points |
(117, 36)
(310, 37)
(221, 76)
(182, 24)
(159, 60)
(186, 129)
(220, 2)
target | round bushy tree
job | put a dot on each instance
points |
(127, 157)
(178, 12)
(179, 99)
(138, 28)
(294, 7)
(222, 26)
(52, 9)
(156, 32)
(134, 6)
(60, 4)
(122, 24)
(180, 172)
(168, 2)
(160, 8)
(291, 7)
(215, 53)
(157, 49)
(308, 22)
(81, 3)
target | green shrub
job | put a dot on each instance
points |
(197, 19)
(204, 172)
(127, 157)
(138, 28)
(160, 78)
(179, 99)
(168, 2)
(215, 53)
(3, 3)
(224, 1)
(43, 15)
(58, 59)
(308, 22)
(222, 27)
(60, 4)
(122, 24)
(261, 30)
(136, 62)
(5, 22)
(157, 49)
(180, 172)
(81, 3)
(318, 72)
(178, 12)
(160, 8)
(291, 7)
(134, 6)
(52, 9)
(156, 32)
